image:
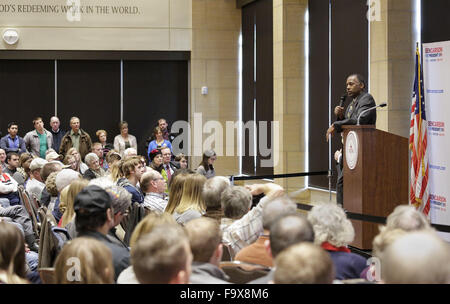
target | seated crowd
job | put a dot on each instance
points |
(103, 215)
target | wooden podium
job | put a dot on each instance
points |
(377, 179)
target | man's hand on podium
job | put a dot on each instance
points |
(330, 132)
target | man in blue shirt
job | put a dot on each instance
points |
(13, 142)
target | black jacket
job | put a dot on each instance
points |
(363, 102)
(120, 255)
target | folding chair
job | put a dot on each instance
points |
(26, 202)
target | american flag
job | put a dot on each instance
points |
(419, 196)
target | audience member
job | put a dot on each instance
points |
(153, 186)
(163, 126)
(212, 190)
(256, 252)
(148, 223)
(13, 142)
(235, 201)
(132, 170)
(93, 163)
(120, 202)
(2, 159)
(419, 257)
(84, 261)
(304, 263)
(67, 200)
(51, 155)
(159, 142)
(156, 160)
(57, 133)
(407, 218)
(94, 218)
(23, 171)
(78, 165)
(403, 219)
(38, 140)
(206, 167)
(112, 157)
(76, 138)
(97, 149)
(47, 169)
(191, 204)
(12, 163)
(124, 140)
(63, 179)
(247, 229)
(162, 257)
(36, 184)
(333, 233)
(168, 165)
(182, 160)
(284, 232)
(12, 255)
(205, 239)
(102, 136)
(8, 190)
(50, 186)
(129, 152)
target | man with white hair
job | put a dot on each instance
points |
(57, 133)
(416, 258)
(36, 184)
(94, 171)
(153, 186)
(129, 153)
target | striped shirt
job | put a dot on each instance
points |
(156, 202)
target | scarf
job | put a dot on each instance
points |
(329, 247)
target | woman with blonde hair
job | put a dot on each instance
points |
(176, 190)
(191, 205)
(67, 199)
(12, 255)
(93, 259)
(124, 140)
(79, 165)
(146, 225)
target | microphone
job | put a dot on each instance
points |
(341, 102)
(381, 105)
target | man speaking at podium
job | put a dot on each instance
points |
(361, 101)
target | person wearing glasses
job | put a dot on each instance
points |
(206, 167)
(153, 186)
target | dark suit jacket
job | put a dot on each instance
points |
(363, 102)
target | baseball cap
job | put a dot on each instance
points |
(92, 199)
(37, 163)
(52, 156)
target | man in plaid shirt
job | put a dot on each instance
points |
(246, 230)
